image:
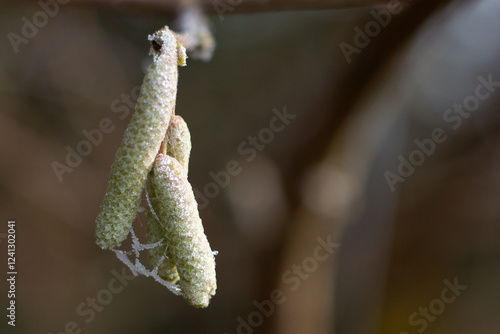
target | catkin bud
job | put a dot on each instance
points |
(141, 142)
(177, 208)
(179, 141)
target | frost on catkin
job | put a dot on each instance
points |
(177, 208)
(141, 142)
(179, 141)
(160, 256)
(178, 145)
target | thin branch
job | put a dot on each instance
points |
(214, 7)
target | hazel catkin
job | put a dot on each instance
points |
(178, 140)
(177, 209)
(160, 256)
(178, 146)
(141, 142)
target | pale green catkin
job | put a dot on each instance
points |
(178, 146)
(179, 141)
(176, 206)
(141, 141)
(160, 256)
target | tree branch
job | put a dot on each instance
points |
(170, 7)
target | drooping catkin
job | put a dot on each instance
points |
(160, 256)
(179, 141)
(178, 146)
(141, 141)
(176, 206)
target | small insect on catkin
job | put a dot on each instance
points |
(141, 141)
(178, 146)
(176, 206)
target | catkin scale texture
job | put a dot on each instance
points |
(176, 206)
(178, 141)
(156, 232)
(140, 144)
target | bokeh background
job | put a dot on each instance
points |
(323, 176)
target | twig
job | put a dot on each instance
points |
(171, 7)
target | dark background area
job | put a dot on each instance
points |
(323, 176)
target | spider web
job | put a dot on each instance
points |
(131, 258)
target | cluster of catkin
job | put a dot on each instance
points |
(185, 254)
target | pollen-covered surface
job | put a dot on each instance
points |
(178, 210)
(141, 141)
(160, 256)
(179, 141)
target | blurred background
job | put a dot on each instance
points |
(374, 209)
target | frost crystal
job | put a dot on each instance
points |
(138, 268)
(196, 34)
(177, 246)
(141, 142)
(178, 146)
(179, 141)
(177, 208)
(160, 256)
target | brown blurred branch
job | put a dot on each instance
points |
(170, 7)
